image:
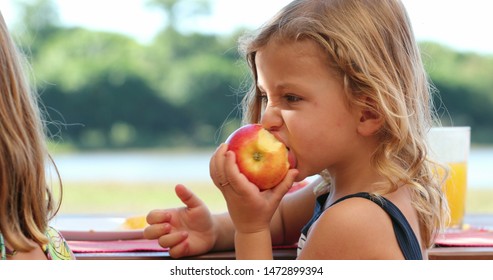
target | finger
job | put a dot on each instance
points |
(213, 165)
(182, 249)
(187, 197)
(216, 165)
(286, 183)
(156, 231)
(172, 239)
(158, 216)
(233, 175)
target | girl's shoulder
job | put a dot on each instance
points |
(358, 215)
(57, 247)
(355, 228)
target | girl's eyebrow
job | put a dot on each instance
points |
(278, 87)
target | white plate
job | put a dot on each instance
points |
(94, 228)
(102, 235)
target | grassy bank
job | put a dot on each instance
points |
(116, 198)
(131, 198)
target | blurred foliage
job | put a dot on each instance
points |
(465, 88)
(105, 91)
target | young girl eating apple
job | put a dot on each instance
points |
(342, 85)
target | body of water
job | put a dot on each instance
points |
(139, 167)
(184, 167)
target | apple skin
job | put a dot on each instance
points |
(262, 158)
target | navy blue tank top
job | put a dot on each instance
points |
(406, 238)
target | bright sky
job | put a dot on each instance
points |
(461, 24)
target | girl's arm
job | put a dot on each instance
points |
(225, 232)
(294, 211)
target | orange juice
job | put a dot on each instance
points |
(451, 145)
(455, 190)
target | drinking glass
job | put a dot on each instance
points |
(450, 146)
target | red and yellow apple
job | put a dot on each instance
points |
(260, 156)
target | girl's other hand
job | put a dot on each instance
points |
(186, 231)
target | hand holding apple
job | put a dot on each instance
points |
(262, 158)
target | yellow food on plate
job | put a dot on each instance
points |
(135, 222)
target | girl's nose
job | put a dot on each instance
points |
(271, 118)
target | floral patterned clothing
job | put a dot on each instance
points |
(56, 249)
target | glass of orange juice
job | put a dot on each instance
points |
(450, 146)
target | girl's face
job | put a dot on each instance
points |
(304, 106)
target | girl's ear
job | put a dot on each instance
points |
(370, 121)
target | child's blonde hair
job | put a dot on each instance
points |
(26, 203)
(371, 45)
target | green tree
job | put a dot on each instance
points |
(75, 57)
(464, 82)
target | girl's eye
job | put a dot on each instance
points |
(263, 98)
(292, 98)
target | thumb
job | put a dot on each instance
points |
(187, 196)
(286, 183)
